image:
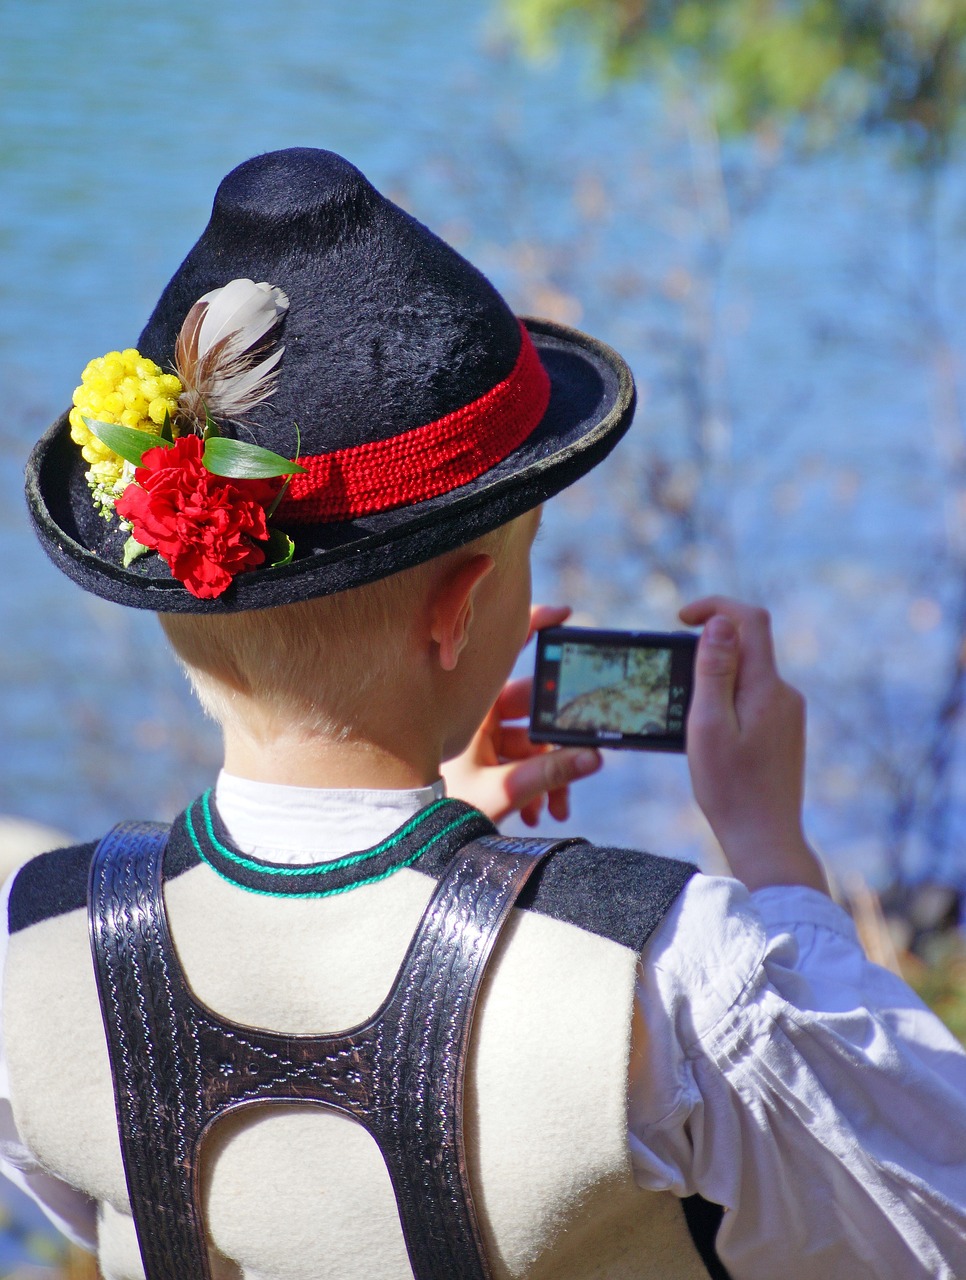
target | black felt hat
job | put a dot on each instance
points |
(427, 413)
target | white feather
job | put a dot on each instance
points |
(223, 354)
(241, 311)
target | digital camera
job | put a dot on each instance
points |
(628, 689)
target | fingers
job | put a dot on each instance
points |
(516, 744)
(757, 652)
(525, 780)
(558, 806)
(530, 813)
(521, 785)
(547, 615)
(715, 677)
(699, 611)
(514, 700)
(558, 803)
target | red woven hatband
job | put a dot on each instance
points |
(426, 461)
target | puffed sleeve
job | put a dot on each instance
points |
(809, 1092)
(70, 1211)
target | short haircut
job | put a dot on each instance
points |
(310, 663)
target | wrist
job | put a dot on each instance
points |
(760, 860)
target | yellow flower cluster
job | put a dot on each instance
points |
(123, 387)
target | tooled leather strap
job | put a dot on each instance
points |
(177, 1066)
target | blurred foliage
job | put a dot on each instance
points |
(23, 1245)
(825, 65)
(940, 981)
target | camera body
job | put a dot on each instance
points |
(625, 689)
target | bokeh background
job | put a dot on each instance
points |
(762, 205)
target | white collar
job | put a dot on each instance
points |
(297, 825)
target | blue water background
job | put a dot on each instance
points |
(819, 485)
(796, 334)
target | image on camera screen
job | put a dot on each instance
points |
(616, 689)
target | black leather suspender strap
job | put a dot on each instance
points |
(177, 1066)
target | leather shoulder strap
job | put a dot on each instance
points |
(177, 1066)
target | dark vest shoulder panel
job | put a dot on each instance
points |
(50, 885)
(620, 894)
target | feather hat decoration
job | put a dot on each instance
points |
(224, 354)
(422, 412)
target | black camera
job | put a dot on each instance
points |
(629, 689)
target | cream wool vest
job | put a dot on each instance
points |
(303, 1193)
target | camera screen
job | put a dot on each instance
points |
(612, 688)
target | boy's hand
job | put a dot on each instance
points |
(502, 771)
(746, 747)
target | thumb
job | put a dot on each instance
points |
(715, 674)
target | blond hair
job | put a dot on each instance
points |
(309, 664)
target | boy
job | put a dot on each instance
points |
(645, 1038)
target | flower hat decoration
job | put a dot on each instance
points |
(159, 462)
(408, 412)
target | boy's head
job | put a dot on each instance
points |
(435, 640)
(317, 321)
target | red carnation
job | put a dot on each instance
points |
(207, 527)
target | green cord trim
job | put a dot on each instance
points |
(316, 868)
(330, 893)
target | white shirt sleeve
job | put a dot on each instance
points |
(71, 1212)
(808, 1091)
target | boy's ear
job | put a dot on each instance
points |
(451, 607)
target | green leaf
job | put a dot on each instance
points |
(281, 548)
(127, 442)
(270, 511)
(167, 435)
(243, 461)
(133, 549)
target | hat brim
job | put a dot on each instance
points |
(591, 406)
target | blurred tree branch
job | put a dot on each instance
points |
(822, 66)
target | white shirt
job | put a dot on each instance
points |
(782, 1075)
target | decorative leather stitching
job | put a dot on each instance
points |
(177, 1065)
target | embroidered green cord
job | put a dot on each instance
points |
(318, 868)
